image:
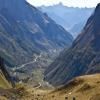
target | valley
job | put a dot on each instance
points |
(82, 58)
(42, 54)
(24, 65)
(28, 44)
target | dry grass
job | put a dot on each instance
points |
(81, 88)
(3, 82)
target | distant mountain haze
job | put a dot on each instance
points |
(71, 18)
(82, 58)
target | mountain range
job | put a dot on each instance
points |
(25, 31)
(30, 41)
(83, 57)
(72, 19)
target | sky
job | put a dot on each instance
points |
(72, 3)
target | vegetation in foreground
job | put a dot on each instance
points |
(81, 88)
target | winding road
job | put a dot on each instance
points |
(31, 62)
(38, 86)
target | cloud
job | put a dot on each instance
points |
(75, 3)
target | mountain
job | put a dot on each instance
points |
(82, 58)
(25, 32)
(68, 17)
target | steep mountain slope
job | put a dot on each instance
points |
(68, 17)
(25, 31)
(5, 79)
(82, 58)
(3, 82)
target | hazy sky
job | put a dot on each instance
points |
(75, 3)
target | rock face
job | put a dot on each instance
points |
(25, 31)
(82, 58)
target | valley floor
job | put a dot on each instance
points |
(81, 88)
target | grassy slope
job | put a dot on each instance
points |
(3, 82)
(82, 88)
